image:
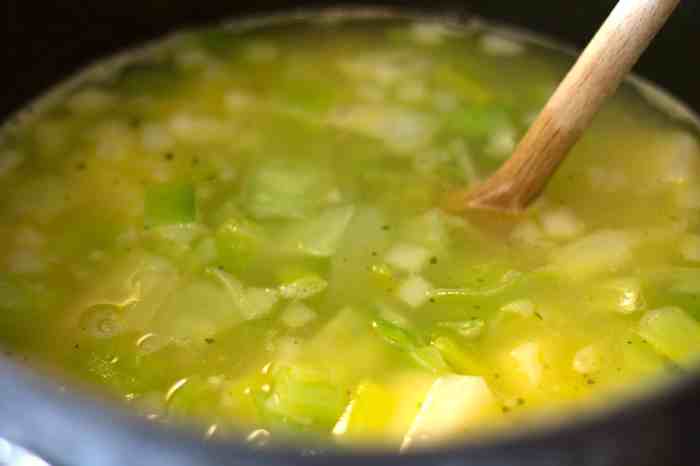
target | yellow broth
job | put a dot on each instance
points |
(242, 228)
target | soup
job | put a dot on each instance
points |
(240, 227)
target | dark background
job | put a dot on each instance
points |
(44, 41)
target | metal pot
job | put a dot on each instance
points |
(46, 42)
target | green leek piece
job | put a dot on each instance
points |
(458, 358)
(430, 359)
(238, 240)
(204, 253)
(319, 236)
(306, 397)
(285, 190)
(395, 335)
(250, 303)
(673, 333)
(215, 313)
(479, 281)
(170, 204)
(303, 288)
(423, 355)
(470, 329)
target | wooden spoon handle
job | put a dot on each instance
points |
(596, 75)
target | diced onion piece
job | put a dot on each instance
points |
(429, 33)
(673, 333)
(191, 128)
(401, 129)
(528, 233)
(376, 68)
(690, 248)
(297, 315)
(600, 252)
(303, 288)
(586, 360)
(561, 223)
(414, 291)
(623, 295)
(113, 140)
(498, 45)
(529, 361)
(680, 152)
(156, 138)
(522, 307)
(501, 143)
(453, 403)
(407, 257)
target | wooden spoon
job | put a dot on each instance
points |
(598, 72)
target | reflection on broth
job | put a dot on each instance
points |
(241, 228)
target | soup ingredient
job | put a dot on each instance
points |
(240, 230)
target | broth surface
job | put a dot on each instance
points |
(241, 228)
